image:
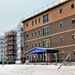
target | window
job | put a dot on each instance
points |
(1, 51)
(39, 44)
(32, 23)
(39, 20)
(73, 36)
(61, 24)
(46, 31)
(1, 42)
(33, 34)
(72, 6)
(39, 32)
(46, 18)
(27, 25)
(22, 35)
(62, 39)
(27, 35)
(36, 21)
(27, 46)
(60, 10)
(73, 21)
(32, 45)
(21, 29)
(36, 44)
(46, 43)
(36, 33)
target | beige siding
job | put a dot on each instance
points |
(54, 15)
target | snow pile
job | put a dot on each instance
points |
(36, 70)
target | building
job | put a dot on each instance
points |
(53, 27)
(10, 46)
(19, 41)
(2, 49)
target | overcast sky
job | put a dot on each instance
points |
(11, 11)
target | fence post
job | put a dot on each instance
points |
(43, 56)
(31, 58)
(46, 56)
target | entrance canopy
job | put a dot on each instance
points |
(41, 50)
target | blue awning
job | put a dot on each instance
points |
(41, 50)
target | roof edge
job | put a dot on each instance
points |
(44, 9)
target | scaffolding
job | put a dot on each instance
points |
(10, 45)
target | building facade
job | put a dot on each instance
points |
(2, 49)
(52, 28)
(19, 41)
(10, 46)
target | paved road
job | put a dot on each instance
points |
(36, 70)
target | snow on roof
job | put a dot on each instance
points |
(45, 8)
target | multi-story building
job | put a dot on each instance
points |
(2, 49)
(10, 46)
(53, 27)
(19, 41)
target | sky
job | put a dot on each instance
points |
(11, 11)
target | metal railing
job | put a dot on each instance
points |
(53, 58)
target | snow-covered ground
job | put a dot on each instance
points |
(36, 70)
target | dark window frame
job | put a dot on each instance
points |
(46, 43)
(61, 10)
(61, 24)
(45, 18)
(21, 29)
(36, 21)
(27, 25)
(39, 44)
(33, 34)
(32, 45)
(62, 39)
(36, 33)
(39, 20)
(72, 6)
(32, 23)
(27, 45)
(73, 21)
(46, 31)
(39, 32)
(74, 52)
(73, 37)
(1, 42)
(36, 44)
(27, 35)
